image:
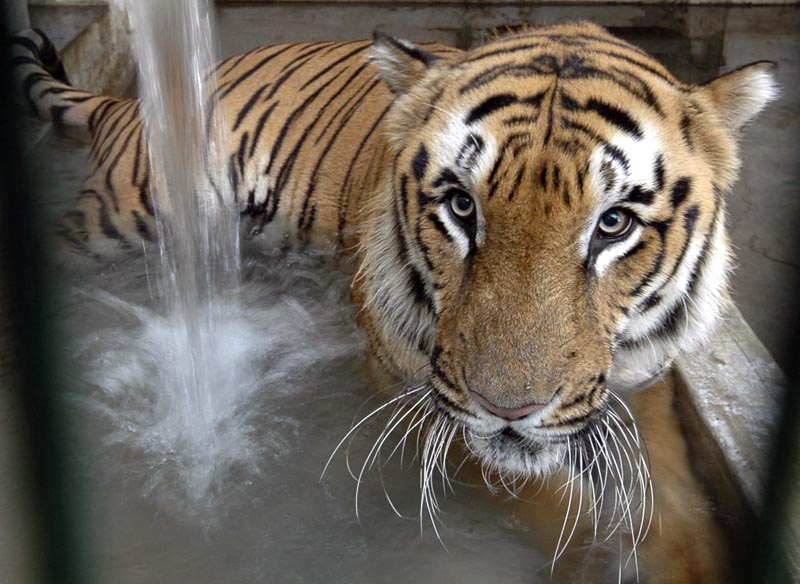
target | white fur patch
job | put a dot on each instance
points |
(703, 311)
(641, 155)
(751, 95)
(616, 250)
(455, 231)
(635, 364)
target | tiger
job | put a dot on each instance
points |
(537, 224)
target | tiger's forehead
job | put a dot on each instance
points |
(573, 99)
(572, 51)
(495, 142)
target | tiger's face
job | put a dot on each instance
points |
(552, 229)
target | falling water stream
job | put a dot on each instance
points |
(197, 222)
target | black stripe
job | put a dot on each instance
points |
(686, 123)
(420, 163)
(521, 120)
(640, 195)
(680, 190)
(412, 51)
(494, 171)
(580, 398)
(111, 137)
(418, 288)
(106, 225)
(288, 164)
(651, 301)
(234, 60)
(516, 182)
(661, 228)
(23, 60)
(437, 223)
(345, 200)
(634, 250)
(137, 156)
(105, 130)
(262, 120)
(355, 95)
(403, 198)
(240, 152)
(304, 222)
(702, 261)
(28, 44)
(57, 112)
(550, 117)
(490, 105)
(247, 74)
(99, 111)
(415, 280)
(615, 116)
(644, 66)
(642, 89)
(298, 63)
(448, 177)
(433, 105)
(689, 222)
(31, 80)
(513, 70)
(658, 172)
(422, 246)
(248, 106)
(141, 227)
(672, 320)
(233, 176)
(470, 151)
(346, 191)
(334, 64)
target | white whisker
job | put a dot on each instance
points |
(364, 420)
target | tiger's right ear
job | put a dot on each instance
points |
(400, 63)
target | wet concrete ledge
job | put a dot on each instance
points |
(729, 397)
(93, 41)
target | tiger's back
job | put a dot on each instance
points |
(303, 124)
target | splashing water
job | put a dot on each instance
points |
(287, 322)
(180, 361)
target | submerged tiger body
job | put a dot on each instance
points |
(536, 222)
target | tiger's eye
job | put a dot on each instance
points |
(614, 223)
(462, 205)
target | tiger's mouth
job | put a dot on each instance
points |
(511, 452)
(519, 448)
(603, 449)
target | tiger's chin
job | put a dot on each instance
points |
(508, 452)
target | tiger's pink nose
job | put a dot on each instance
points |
(507, 413)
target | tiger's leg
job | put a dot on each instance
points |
(105, 223)
(686, 544)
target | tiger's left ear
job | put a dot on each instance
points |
(741, 94)
(400, 63)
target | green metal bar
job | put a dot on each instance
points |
(61, 558)
(773, 536)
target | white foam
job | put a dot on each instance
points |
(136, 358)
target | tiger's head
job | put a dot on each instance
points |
(552, 228)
